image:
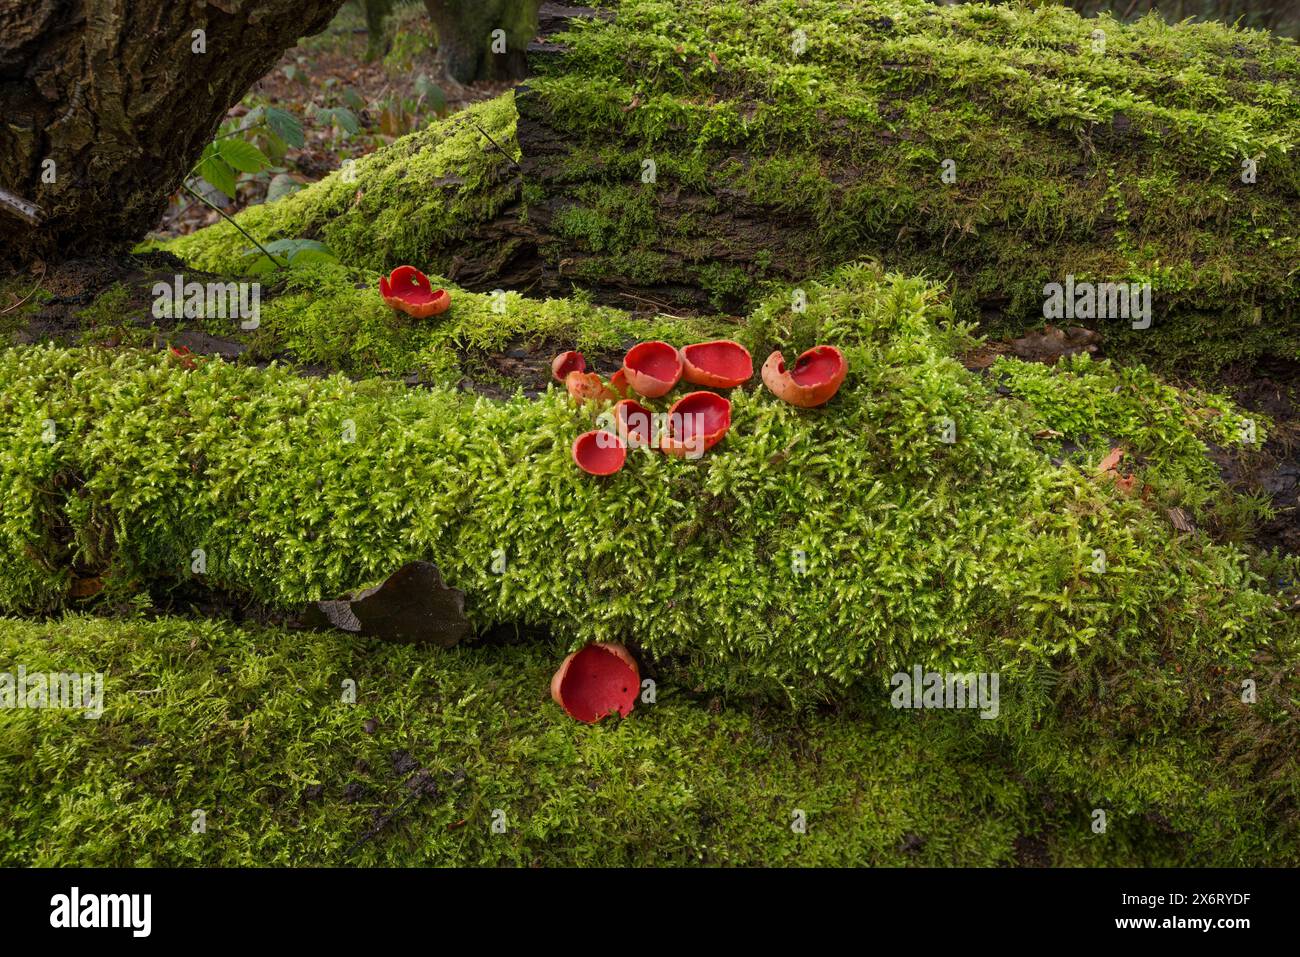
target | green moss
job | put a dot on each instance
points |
(427, 191)
(974, 553)
(1116, 164)
(249, 726)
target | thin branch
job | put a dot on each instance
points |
(207, 202)
(8, 309)
(510, 158)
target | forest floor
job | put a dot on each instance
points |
(390, 94)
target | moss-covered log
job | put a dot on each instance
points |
(679, 156)
(251, 726)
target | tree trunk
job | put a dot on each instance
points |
(106, 105)
(469, 49)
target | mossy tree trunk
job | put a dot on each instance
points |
(466, 40)
(107, 104)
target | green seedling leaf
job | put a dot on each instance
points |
(242, 155)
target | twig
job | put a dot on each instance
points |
(9, 309)
(203, 199)
(651, 302)
(510, 158)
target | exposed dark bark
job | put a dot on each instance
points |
(116, 96)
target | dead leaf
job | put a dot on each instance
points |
(1111, 461)
(412, 606)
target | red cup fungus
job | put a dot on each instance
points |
(721, 364)
(599, 452)
(408, 290)
(567, 362)
(600, 680)
(812, 381)
(635, 423)
(652, 368)
(618, 382)
(696, 422)
(586, 386)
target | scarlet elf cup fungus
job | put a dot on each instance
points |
(634, 423)
(652, 368)
(599, 452)
(721, 364)
(584, 386)
(408, 290)
(696, 422)
(600, 680)
(567, 362)
(812, 381)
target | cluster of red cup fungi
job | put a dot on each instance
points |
(602, 678)
(698, 420)
(408, 290)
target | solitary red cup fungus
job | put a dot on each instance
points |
(600, 680)
(584, 386)
(408, 290)
(618, 382)
(567, 362)
(812, 381)
(652, 368)
(696, 422)
(599, 452)
(721, 364)
(634, 423)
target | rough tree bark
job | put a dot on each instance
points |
(106, 104)
(465, 28)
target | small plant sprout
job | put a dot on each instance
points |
(812, 381)
(600, 680)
